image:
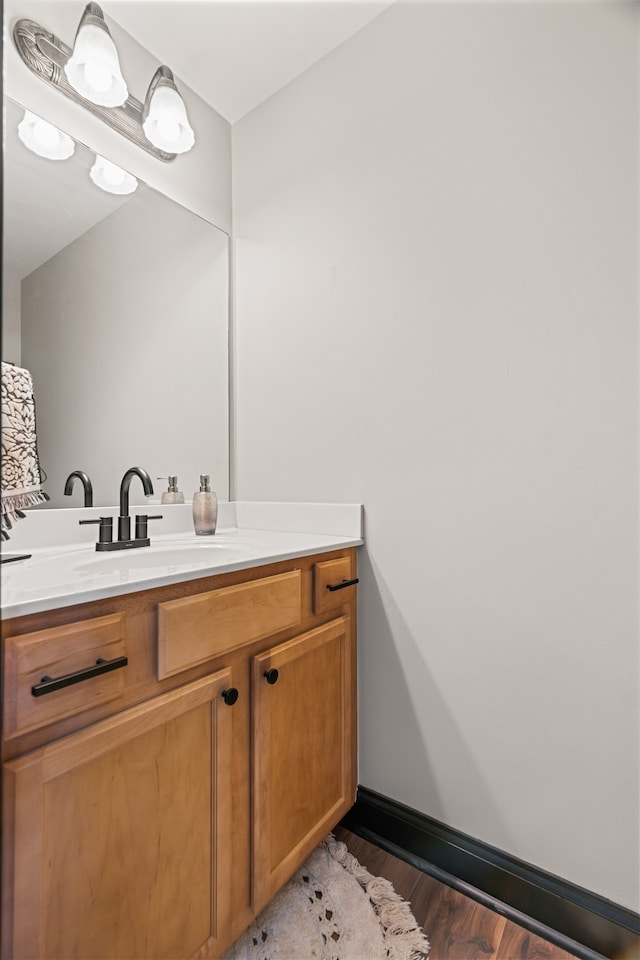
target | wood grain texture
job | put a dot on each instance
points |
(45, 771)
(240, 793)
(141, 626)
(195, 629)
(458, 927)
(302, 750)
(331, 572)
(22, 851)
(518, 944)
(110, 835)
(54, 653)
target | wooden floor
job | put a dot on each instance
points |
(458, 928)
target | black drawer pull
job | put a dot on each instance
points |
(49, 684)
(341, 586)
(271, 676)
(230, 696)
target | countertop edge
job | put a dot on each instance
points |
(11, 611)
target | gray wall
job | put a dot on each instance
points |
(436, 242)
(11, 349)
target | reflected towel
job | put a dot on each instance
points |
(21, 475)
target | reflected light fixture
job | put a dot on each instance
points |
(90, 75)
(43, 138)
(93, 69)
(108, 176)
(164, 116)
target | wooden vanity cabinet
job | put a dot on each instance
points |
(303, 749)
(113, 825)
(155, 817)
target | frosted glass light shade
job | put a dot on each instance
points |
(165, 122)
(43, 138)
(93, 69)
(108, 176)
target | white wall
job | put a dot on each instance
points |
(11, 349)
(200, 180)
(130, 363)
(436, 242)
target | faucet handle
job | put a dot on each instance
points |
(141, 524)
(105, 533)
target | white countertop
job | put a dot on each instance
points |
(64, 567)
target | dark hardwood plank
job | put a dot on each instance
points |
(518, 944)
(458, 927)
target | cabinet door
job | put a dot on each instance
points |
(303, 749)
(116, 834)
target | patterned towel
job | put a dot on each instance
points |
(21, 475)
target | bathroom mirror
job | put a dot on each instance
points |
(118, 306)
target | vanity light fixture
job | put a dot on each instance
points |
(43, 138)
(90, 75)
(112, 178)
(93, 69)
(164, 116)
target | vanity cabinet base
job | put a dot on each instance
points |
(303, 735)
(111, 823)
(156, 825)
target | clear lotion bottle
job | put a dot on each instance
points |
(205, 509)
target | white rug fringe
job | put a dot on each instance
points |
(399, 925)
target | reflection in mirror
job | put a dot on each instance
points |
(117, 303)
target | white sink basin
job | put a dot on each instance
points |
(86, 567)
(164, 556)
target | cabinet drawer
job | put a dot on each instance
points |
(195, 629)
(328, 574)
(60, 652)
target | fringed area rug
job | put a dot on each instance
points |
(333, 909)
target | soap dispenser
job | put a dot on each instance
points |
(172, 495)
(205, 508)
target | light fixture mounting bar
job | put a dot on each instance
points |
(45, 55)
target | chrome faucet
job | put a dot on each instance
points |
(125, 541)
(86, 483)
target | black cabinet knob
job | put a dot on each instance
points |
(271, 676)
(230, 696)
